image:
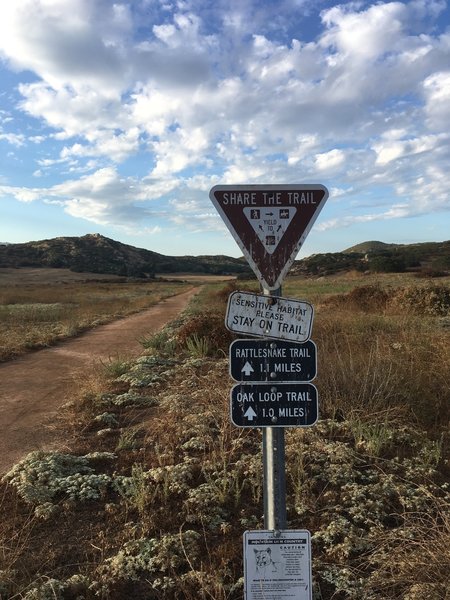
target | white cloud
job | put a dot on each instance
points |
(15, 139)
(395, 212)
(235, 102)
(182, 33)
(153, 110)
(64, 45)
(392, 150)
(437, 94)
(365, 35)
(302, 148)
(102, 197)
(330, 160)
(116, 147)
(179, 149)
(21, 194)
(337, 192)
(388, 152)
(69, 111)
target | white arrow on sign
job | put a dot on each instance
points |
(247, 369)
(250, 413)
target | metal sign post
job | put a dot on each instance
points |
(270, 223)
(274, 478)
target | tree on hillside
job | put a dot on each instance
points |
(386, 264)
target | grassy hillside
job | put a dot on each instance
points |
(372, 246)
(155, 487)
(95, 253)
(429, 259)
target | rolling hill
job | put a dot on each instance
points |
(428, 257)
(95, 253)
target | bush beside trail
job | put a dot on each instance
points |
(433, 300)
(427, 300)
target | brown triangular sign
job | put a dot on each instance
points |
(269, 223)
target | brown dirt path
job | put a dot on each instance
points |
(33, 388)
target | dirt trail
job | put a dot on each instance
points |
(33, 388)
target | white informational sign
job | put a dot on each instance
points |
(277, 566)
(271, 317)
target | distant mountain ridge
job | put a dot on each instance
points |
(372, 246)
(427, 257)
(94, 253)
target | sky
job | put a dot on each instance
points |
(119, 117)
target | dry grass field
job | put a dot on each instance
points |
(45, 276)
(158, 488)
(41, 306)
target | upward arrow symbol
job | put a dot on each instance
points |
(247, 369)
(250, 413)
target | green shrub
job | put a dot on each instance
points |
(198, 347)
(387, 264)
(209, 326)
